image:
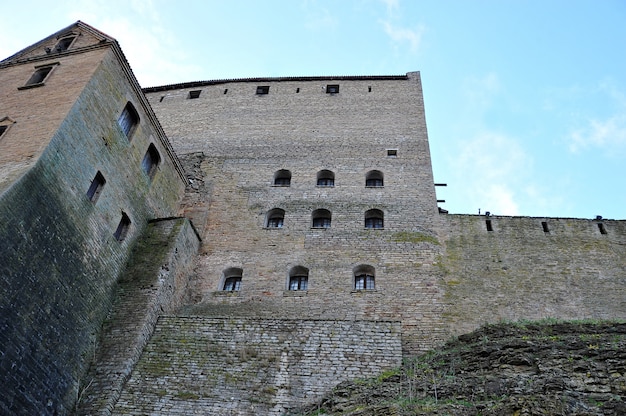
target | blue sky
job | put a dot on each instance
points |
(525, 99)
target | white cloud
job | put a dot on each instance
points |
(402, 35)
(608, 134)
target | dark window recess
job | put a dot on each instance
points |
(263, 89)
(194, 94)
(374, 219)
(39, 76)
(321, 218)
(225, 91)
(602, 228)
(151, 161)
(488, 224)
(544, 225)
(161, 99)
(128, 120)
(332, 88)
(374, 179)
(64, 44)
(364, 282)
(392, 152)
(122, 228)
(275, 218)
(93, 193)
(369, 89)
(297, 90)
(3, 129)
(282, 178)
(325, 178)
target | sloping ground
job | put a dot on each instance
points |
(573, 368)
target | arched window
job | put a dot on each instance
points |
(151, 161)
(298, 278)
(321, 218)
(374, 218)
(364, 277)
(282, 178)
(325, 178)
(374, 179)
(275, 218)
(232, 279)
(128, 120)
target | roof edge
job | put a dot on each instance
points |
(194, 84)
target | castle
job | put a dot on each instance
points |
(241, 246)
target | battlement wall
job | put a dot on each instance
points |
(531, 268)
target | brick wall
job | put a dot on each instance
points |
(196, 364)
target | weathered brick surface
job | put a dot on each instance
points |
(59, 258)
(244, 366)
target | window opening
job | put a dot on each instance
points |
(122, 228)
(325, 178)
(128, 120)
(263, 89)
(299, 278)
(232, 279)
(488, 224)
(374, 179)
(64, 44)
(39, 76)
(93, 193)
(275, 218)
(5, 123)
(321, 218)
(194, 94)
(392, 152)
(282, 178)
(225, 91)
(3, 129)
(544, 225)
(297, 90)
(369, 89)
(374, 219)
(602, 228)
(364, 278)
(151, 161)
(162, 97)
(332, 88)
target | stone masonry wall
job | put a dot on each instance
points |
(245, 366)
(60, 259)
(519, 271)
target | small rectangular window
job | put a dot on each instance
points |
(297, 90)
(332, 89)
(392, 152)
(3, 129)
(369, 89)
(122, 228)
(39, 77)
(602, 228)
(488, 224)
(263, 89)
(194, 94)
(93, 193)
(544, 225)
(225, 91)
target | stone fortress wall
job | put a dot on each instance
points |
(381, 272)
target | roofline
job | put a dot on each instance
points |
(195, 84)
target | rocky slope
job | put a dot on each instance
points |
(548, 368)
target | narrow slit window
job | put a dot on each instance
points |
(128, 120)
(194, 94)
(602, 228)
(369, 89)
(544, 225)
(225, 91)
(3, 129)
(151, 161)
(488, 224)
(95, 189)
(297, 90)
(122, 228)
